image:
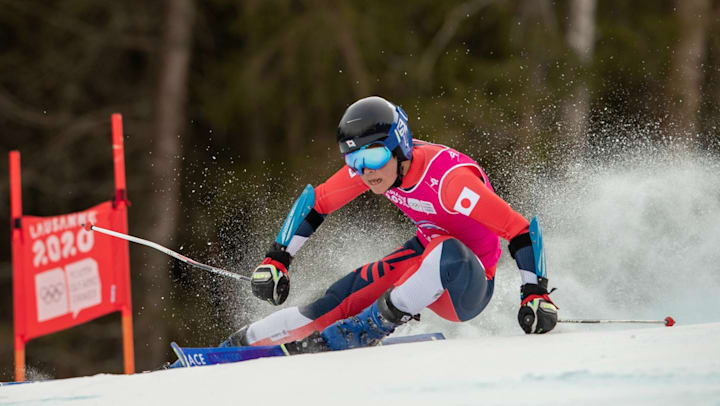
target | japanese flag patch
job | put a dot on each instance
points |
(466, 201)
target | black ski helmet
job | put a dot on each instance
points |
(374, 119)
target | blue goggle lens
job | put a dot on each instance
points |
(368, 158)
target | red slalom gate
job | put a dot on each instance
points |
(62, 274)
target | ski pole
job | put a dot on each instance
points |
(167, 251)
(667, 321)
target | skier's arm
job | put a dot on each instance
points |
(461, 186)
(270, 280)
(336, 192)
(488, 209)
(463, 189)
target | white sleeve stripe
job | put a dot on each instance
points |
(528, 277)
(296, 242)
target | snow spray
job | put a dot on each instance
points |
(631, 230)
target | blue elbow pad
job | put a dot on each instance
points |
(302, 219)
(527, 250)
(537, 244)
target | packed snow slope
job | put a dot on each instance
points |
(630, 233)
(647, 366)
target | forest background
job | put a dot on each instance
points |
(230, 108)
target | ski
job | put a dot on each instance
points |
(413, 338)
(198, 356)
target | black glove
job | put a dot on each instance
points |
(537, 314)
(270, 280)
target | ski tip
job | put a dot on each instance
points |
(669, 321)
(179, 352)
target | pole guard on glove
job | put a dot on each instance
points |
(537, 314)
(270, 280)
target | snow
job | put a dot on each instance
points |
(653, 365)
(622, 242)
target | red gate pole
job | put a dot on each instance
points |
(121, 204)
(118, 158)
(16, 238)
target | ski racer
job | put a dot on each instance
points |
(448, 266)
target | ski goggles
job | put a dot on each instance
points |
(371, 156)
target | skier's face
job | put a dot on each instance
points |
(380, 180)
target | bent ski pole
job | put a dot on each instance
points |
(167, 251)
(667, 321)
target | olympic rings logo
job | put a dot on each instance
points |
(52, 293)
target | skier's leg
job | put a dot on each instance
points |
(450, 279)
(346, 297)
(366, 328)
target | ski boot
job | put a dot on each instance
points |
(368, 327)
(308, 345)
(236, 339)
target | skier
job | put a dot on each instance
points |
(448, 267)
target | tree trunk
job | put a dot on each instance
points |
(581, 40)
(165, 200)
(338, 17)
(685, 78)
(452, 22)
(536, 33)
